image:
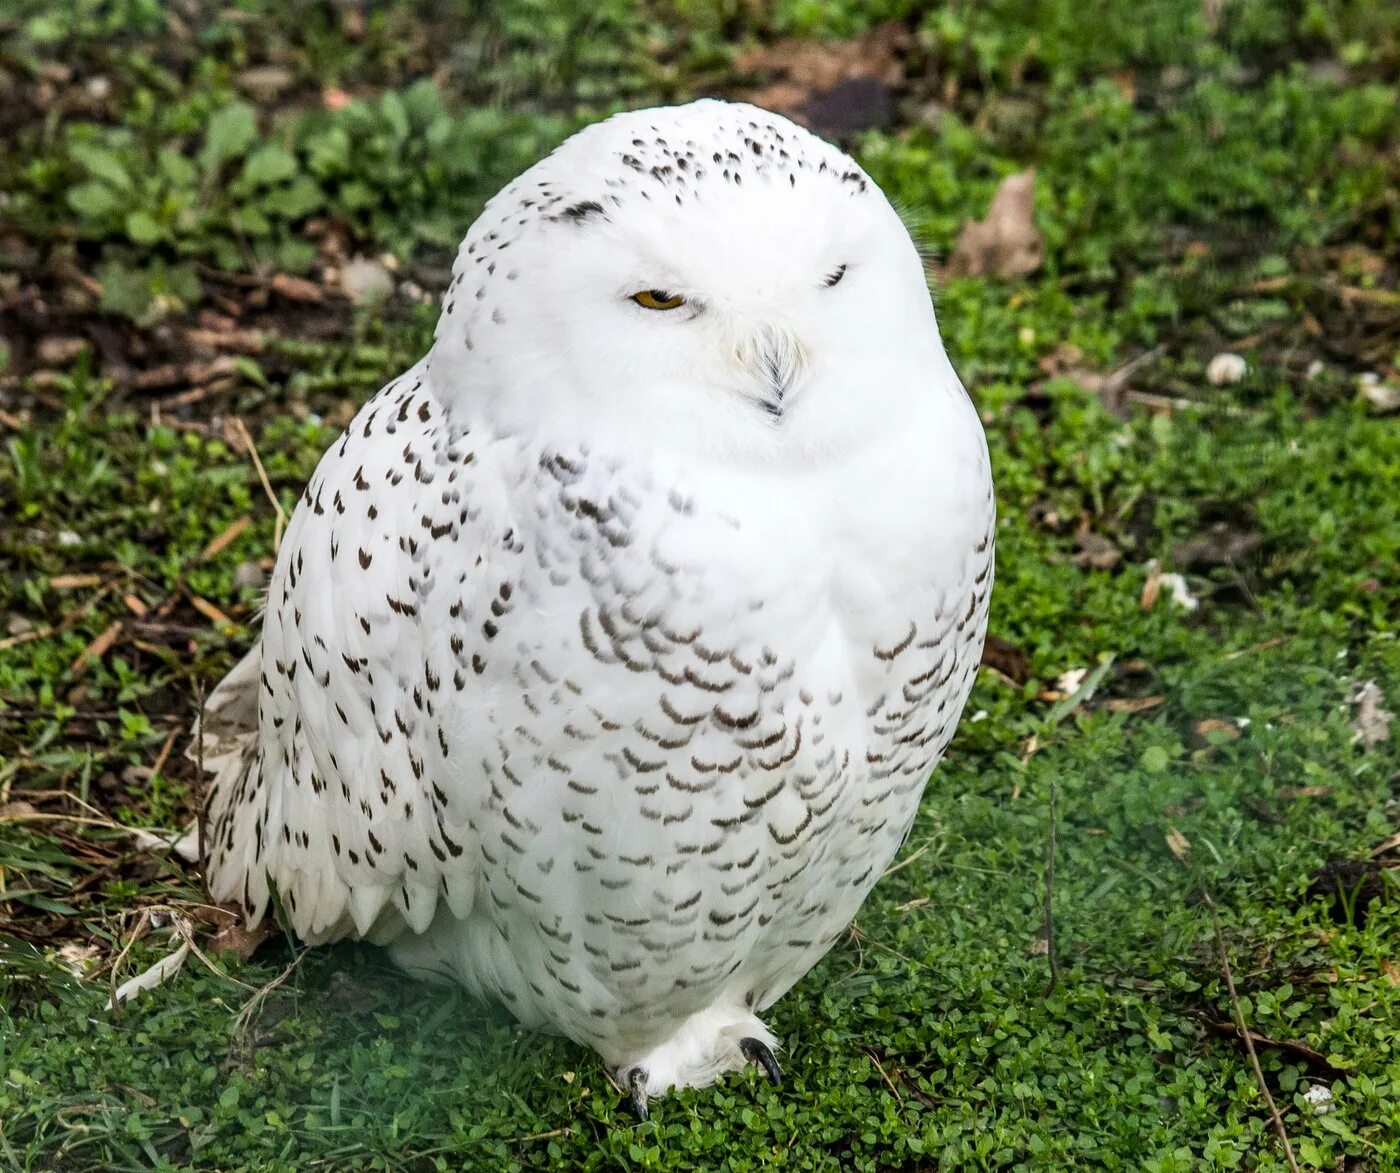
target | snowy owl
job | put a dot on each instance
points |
(609, 650)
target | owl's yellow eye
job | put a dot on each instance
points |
(658, 299)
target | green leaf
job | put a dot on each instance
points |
(395, 114)
(93, 201)
(1154, 759)
(231, 131)
(103, 164)
(250, 222)
(299, 198)
(176, 169)
(268, 165)
(143, 228)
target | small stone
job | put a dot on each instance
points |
(365, 280)
(66, 537)
(1319, 1098)
(1225, 369)
(99, 88)
(1383, 396)
(249, 574)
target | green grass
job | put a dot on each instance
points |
(1199, 190)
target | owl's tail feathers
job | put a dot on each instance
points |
(226, 732)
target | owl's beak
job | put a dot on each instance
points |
(775, 360)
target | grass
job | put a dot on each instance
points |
(1202, 186)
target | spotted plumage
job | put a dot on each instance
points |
(610, 649)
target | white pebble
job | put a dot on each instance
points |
(1226, 368)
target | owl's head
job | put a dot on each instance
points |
(709, 279)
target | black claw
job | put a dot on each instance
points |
(758, 1052)
(637, 1091)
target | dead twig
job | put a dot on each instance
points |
(252, 448)
(889, 1083)
(1246, 1034)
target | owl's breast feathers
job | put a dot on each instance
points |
(552, 693)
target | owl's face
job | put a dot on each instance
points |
(708, 278)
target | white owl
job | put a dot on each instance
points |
(609, 650)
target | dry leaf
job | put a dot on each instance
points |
(97, 649)
(1135, 704)
(209, 611)
(1369, 721)
(73, 582)
(240, 939)
(1152, 587)
(78, 959)
(1005, 243)
(1228, 729)
(225, 539)
(296, 288)
(1178, 844)
(1304, 791)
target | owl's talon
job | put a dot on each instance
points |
(758, 1052)
(637, 1092)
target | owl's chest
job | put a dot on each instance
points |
(847, 591)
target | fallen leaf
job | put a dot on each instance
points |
(240, 939)
(296, 288)
(1005, 243)
(1178, 844)
(1391, 971)
(1304, 791)
(73, 582)
(1227, 729)
(1134, 704)
(78, 959)
(238, 341)
(1152, 586)
(97, 649)
(1369, 722)
(209, 611)
(225, 539)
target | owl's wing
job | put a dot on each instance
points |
(335, 795)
